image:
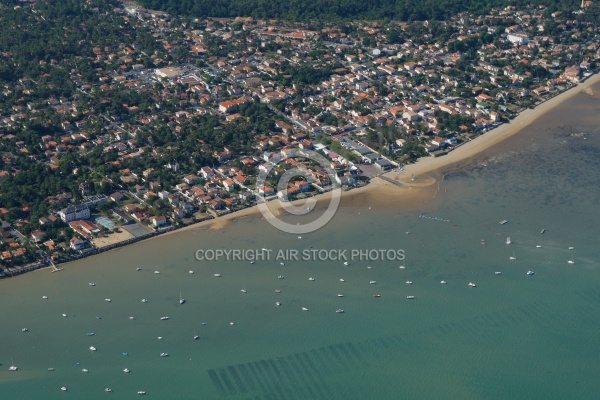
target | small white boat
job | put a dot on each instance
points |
(181, 300)
(85, 370)
(64, 315)
(542, 231)
(108, 300)
(369, 267)
(539, 246)
(217, 275)
(472, 284)
(345, 262)
(512, 257)
(304, 309)
(196, 337)
(24, 330)
(92, 284)
(160, 338)
(232, 323)
(45, 297)
(340, 295)
(251, 262)
(498, 273)
(90, 334)
(277, 290)
(410, 297)
(92, 348)
(108, 390)
(126, 370)
(571, 248)
(530, 273)
(141, 392)
(157, 272)
(311, 279)
(50, 369)
(243, 290)
(281, 263)
(164, 318)
(13, 368)
(64, 388)
(138, 269)
(372, 282)
(190, 272)
(299, 237)
(339, 311)
(144, 301)
(164, 354)
(508, 241)
(402, 267)
(342, 280)
(443, 282)
(280, 277)
(571, 261)
(278, 304)
(409, 282)
(132, 317)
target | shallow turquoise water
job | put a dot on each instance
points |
(513, 336)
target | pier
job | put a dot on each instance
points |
(390, 180)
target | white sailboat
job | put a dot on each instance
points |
(508, 241)
(571, 261)
(513, 257)
(181, 299)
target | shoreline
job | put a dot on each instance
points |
(380, 191)
(429, 170)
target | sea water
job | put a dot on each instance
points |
(512, 336)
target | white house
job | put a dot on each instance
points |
(73, 213)
(159, 221)
(77, 243)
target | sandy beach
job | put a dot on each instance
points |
(112, 238)
(428, 170)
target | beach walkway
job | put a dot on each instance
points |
(390, 180)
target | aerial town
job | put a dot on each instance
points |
(170, 121)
